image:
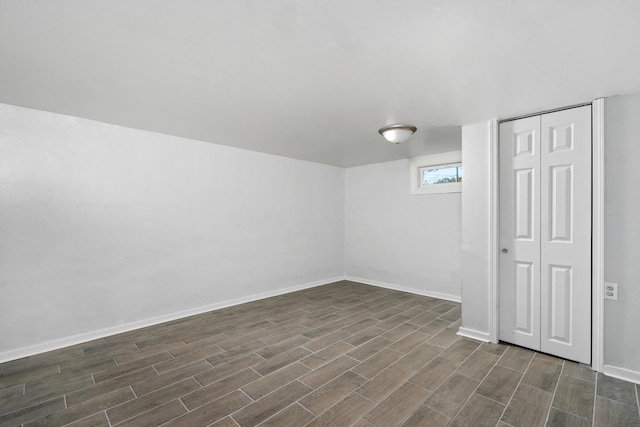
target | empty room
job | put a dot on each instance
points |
(319, 213)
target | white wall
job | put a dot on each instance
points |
(400, 240)
(104, 227)
(477, 311)
(622, 233)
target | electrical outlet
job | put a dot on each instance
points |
(611, 291)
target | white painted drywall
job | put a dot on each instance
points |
(622, 232)
(102, 226)
(400, 240)
(476, 230)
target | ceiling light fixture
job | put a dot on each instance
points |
(397, 133)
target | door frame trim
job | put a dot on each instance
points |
(494, 224)
(597, 234)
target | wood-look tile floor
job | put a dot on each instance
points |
(336, 355)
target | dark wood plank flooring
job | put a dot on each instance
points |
(336, 355)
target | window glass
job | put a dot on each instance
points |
(436, 173)
(443, 174)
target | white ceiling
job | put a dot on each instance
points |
(315, 79)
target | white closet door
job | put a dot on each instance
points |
(545, 233)
(520, 232)
(565, 280)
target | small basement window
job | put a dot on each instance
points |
(438, 173)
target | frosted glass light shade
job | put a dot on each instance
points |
(397, 133)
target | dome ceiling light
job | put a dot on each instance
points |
(397, 133)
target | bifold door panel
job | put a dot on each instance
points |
(545, 233)
(520, 232)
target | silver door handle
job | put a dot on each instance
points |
(505, 250)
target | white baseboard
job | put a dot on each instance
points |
(474, 335)
(621, 373)
(127, 327)
(439, 295)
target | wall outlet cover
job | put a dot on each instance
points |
(611, 291)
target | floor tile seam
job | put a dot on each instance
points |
(263, 397)
(147, 394)
(322, 326)
(115, 361)
(160, 388)
(362, 396)
(615, 401)
(474, 390)
(488, 352)
(216, 366)
(365, 360)
(414, 409)
(386, 366)
(412, 412)
(284, 409)
(135, 396)
(576, 415)
(174, 357)
(166, 421)
(225, 376)
(554, 359)
(270, 393)
(506, 406)
(624, 394)
(156, 370)
(244, 341)
(264, 376)
(373, 354)
(553, 397)
(243, 392)
(250, 368)
(369, 423)
(444, 314)
(392, 391)
(488, 398)
(577, 377)
(485, 375)
(40, 402)
(182, 403)
(93, 379)
(298, 334)
(9, 384)
(331, 379)
(436, 411)
(299, 401)
(37, 402)
(397, 362)
(104, 411)
(351, 334)
(108, 420)
(200, 406)
(320, 349)
(324, 364)
(408, 380)
(403, 337)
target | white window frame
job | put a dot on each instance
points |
(432, 161)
